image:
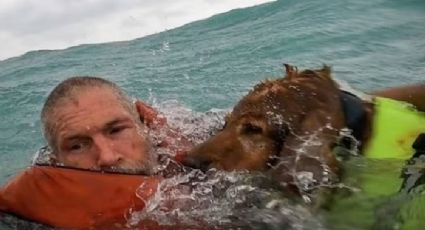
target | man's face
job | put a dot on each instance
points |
(94, 130)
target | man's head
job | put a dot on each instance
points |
(89, 122)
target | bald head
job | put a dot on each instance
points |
(67, 92)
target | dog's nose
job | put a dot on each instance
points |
(198, 162)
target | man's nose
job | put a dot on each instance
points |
(106, 154)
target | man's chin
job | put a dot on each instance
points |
(140, 169)
(147, 166)
(132, 168)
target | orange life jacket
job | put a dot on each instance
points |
(77, 199)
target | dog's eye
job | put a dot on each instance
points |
(249, 128)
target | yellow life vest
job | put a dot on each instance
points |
(395, 127)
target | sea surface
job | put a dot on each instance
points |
(209, 65)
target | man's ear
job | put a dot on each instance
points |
(142, 110)
(149, 115)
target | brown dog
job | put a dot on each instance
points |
(290, 127)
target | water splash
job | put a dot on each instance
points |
(230, 200)
(195, 125)
(43, 156)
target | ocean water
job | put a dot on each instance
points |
(208, 65)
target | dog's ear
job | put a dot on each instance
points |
(291, 71)
(307, 151)
(325, 71)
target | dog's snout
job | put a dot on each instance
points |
(198, 162)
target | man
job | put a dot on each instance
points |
(92, 128)
(90, 123)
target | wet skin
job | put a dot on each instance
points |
(94, 130)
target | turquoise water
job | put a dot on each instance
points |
(210, 64)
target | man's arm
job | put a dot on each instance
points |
(413, 94)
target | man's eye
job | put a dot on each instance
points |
(116, 130)
(76, 146)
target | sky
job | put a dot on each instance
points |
(27, 25)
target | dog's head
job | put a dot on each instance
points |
(289, 125)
